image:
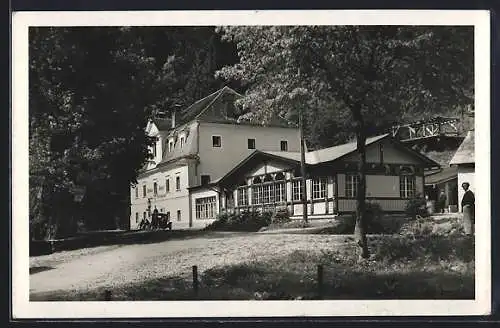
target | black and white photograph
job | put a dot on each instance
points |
(314, 158)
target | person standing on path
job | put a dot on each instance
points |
(442, 202)
(468, 204)
(154, 219)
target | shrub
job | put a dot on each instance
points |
(281, 216)
(416, 207)
(243, 221)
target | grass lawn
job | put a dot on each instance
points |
(401, 267)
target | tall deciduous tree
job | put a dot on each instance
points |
(92, 91)
(359, 79)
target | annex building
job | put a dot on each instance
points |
(269, 180)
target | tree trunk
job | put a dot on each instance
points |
(360, 227)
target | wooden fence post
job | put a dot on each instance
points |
(320, 281)
(107, 295)
(195, 280)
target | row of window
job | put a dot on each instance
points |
(271, 192)
(155, 187)
(144, 215)
(217, 142)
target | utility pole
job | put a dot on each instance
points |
(302, 163)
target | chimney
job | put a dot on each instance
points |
(173, 119)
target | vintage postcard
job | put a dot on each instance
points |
(250, 163)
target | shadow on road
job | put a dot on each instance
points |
(34, 270)
(103, 238)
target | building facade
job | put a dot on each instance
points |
(268, 181)
(193, 148)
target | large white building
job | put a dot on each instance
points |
(195, 147)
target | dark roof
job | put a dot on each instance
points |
(465, 153)
(443, 175)
(442, 157)
(163, 124)
(202, 105)
(327, 154)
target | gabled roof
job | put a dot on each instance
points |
(465, 153)
(193, 111)
(315, 157)
(257, 157)
(201, 106)
(327, 154)
(336, 152)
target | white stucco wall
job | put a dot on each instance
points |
(164, 201)
(217, 161)
(465, 174)
(202, 193)
(391, 155)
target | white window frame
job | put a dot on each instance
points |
(167, 185)
(182, 142)
(407, 186)
(136, 192)
(144, 191)
(205, 208)
(319, 188)
(257, 194)
(351, 185)
(155, 188)
(297, 190)
(242, 194)
(279, 192)
(177, 183)
(179, 215)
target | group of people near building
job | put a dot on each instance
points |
(467, 205)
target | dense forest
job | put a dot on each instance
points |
(92, 91)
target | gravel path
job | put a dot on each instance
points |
(118, 265)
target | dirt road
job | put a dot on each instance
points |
(110, 266)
